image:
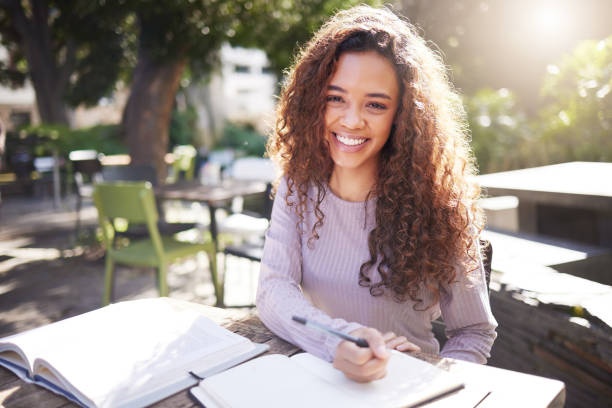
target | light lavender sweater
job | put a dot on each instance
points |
(321, 283)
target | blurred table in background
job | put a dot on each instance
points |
(568, 200)
(214, 196)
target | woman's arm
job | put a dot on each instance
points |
(279, 295)
(470, 325)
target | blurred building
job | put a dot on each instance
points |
(248, 84)
(241, 91)
(108, 111)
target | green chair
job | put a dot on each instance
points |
(183, 166)
(135, 203)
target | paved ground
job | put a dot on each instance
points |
(47, 274)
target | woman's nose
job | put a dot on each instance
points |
(352, 118)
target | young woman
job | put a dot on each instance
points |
(375, 226)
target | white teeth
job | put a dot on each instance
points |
(348, 141)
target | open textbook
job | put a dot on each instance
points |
(126, 354)
(306, 381)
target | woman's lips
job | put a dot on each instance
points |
(354, 144)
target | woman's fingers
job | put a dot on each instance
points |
(399, 343)
(363, 364)
(372, 369)
(375, 340)
(389, 336)
(407, 346)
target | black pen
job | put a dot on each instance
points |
(308, 323)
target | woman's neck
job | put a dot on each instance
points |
(351, 185)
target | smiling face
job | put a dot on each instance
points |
(362, 98)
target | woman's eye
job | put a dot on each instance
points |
(333, 98)
(377, 106)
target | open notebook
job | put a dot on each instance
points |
(126, 354)
(306, 381)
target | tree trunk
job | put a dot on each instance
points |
(48, 78)
(146, 118)
(48, 88)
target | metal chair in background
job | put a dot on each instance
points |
(87, 170)
(247, 225)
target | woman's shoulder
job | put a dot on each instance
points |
(288, 187)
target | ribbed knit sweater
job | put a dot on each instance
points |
(321, 282)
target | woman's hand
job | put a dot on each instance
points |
(363, 364)
(400, 343)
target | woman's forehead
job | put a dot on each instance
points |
(365, 72)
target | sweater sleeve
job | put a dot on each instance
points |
(279, 294)
(466, 310)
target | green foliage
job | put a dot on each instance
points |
(183, 126)
(499, 130)
(192, 29)
(81, 45)
(576, 124)
(280, 26)
(244, 139)
(103, 138)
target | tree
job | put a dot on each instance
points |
(172, 34)
(280, 27)
(68, 49)
(499, 130)
(576, 124)
(176, 34)
(507, 44)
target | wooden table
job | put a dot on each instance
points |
(508, 388)
(213, 196)
(569, 200)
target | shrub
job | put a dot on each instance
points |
(243, 139)
(103, 138)
(499, 130)
(576, 123)
(183, 127)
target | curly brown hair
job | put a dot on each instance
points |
(426, 214)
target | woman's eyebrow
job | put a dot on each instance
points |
(371, 95)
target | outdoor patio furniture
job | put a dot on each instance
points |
(245, 224)
(21, 161)
(87, 170)
(130, 172)
(143, 172)
(566, 200)
(50, 170)
(214, 196)
(183, 166)
(246, 227)
(135, 202)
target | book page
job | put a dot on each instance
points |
(14, 361)
(115, 354)
(409, 381)
(270, 381)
